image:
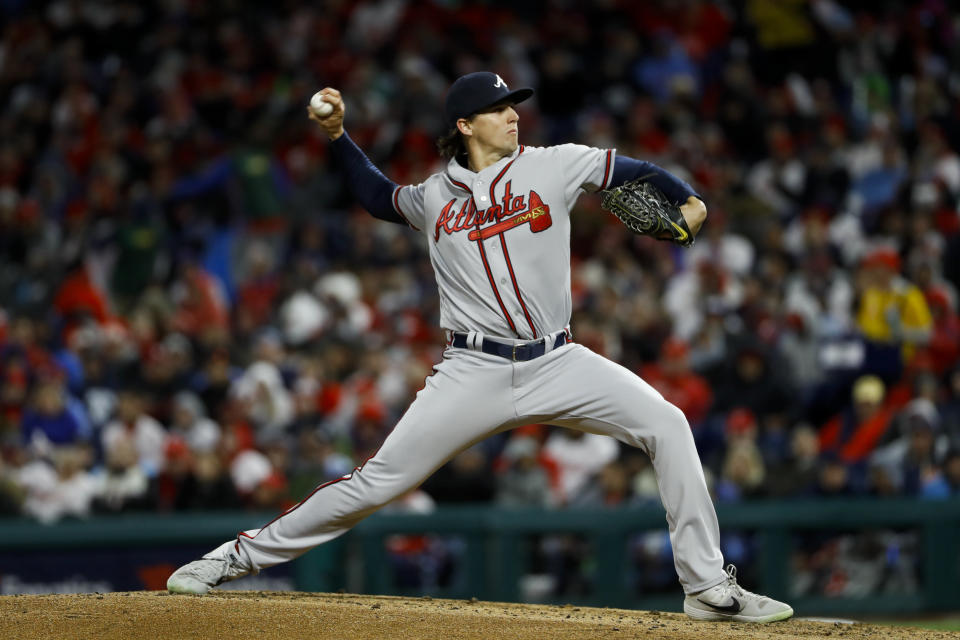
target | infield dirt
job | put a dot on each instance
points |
(283, 616)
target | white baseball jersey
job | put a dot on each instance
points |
(499, 246)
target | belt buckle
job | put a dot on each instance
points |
(513, 354)
(526, 348)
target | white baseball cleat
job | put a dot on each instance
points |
(199, 576)
(730, 601)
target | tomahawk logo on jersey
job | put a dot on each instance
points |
(469, 217)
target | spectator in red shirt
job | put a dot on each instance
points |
(679, 385)
(256, 299)
(944, 346)
(855, 433)
(13, 397)
(79, 299)
(201, 302)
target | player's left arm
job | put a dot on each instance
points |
(627, 169)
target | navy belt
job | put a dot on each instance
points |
(517, 352)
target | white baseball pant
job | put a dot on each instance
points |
(472, 395)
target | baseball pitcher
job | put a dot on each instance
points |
(497, 224)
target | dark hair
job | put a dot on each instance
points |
(450, 144)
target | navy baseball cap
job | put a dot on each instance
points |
(477, 91)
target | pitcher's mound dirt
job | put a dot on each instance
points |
(152, 615)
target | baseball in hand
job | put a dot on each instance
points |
(320, 108)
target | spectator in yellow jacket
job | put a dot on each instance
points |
(891, 309)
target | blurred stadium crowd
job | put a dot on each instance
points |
(194, 314)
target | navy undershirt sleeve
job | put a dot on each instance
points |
(626, 169)
(372, 189)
